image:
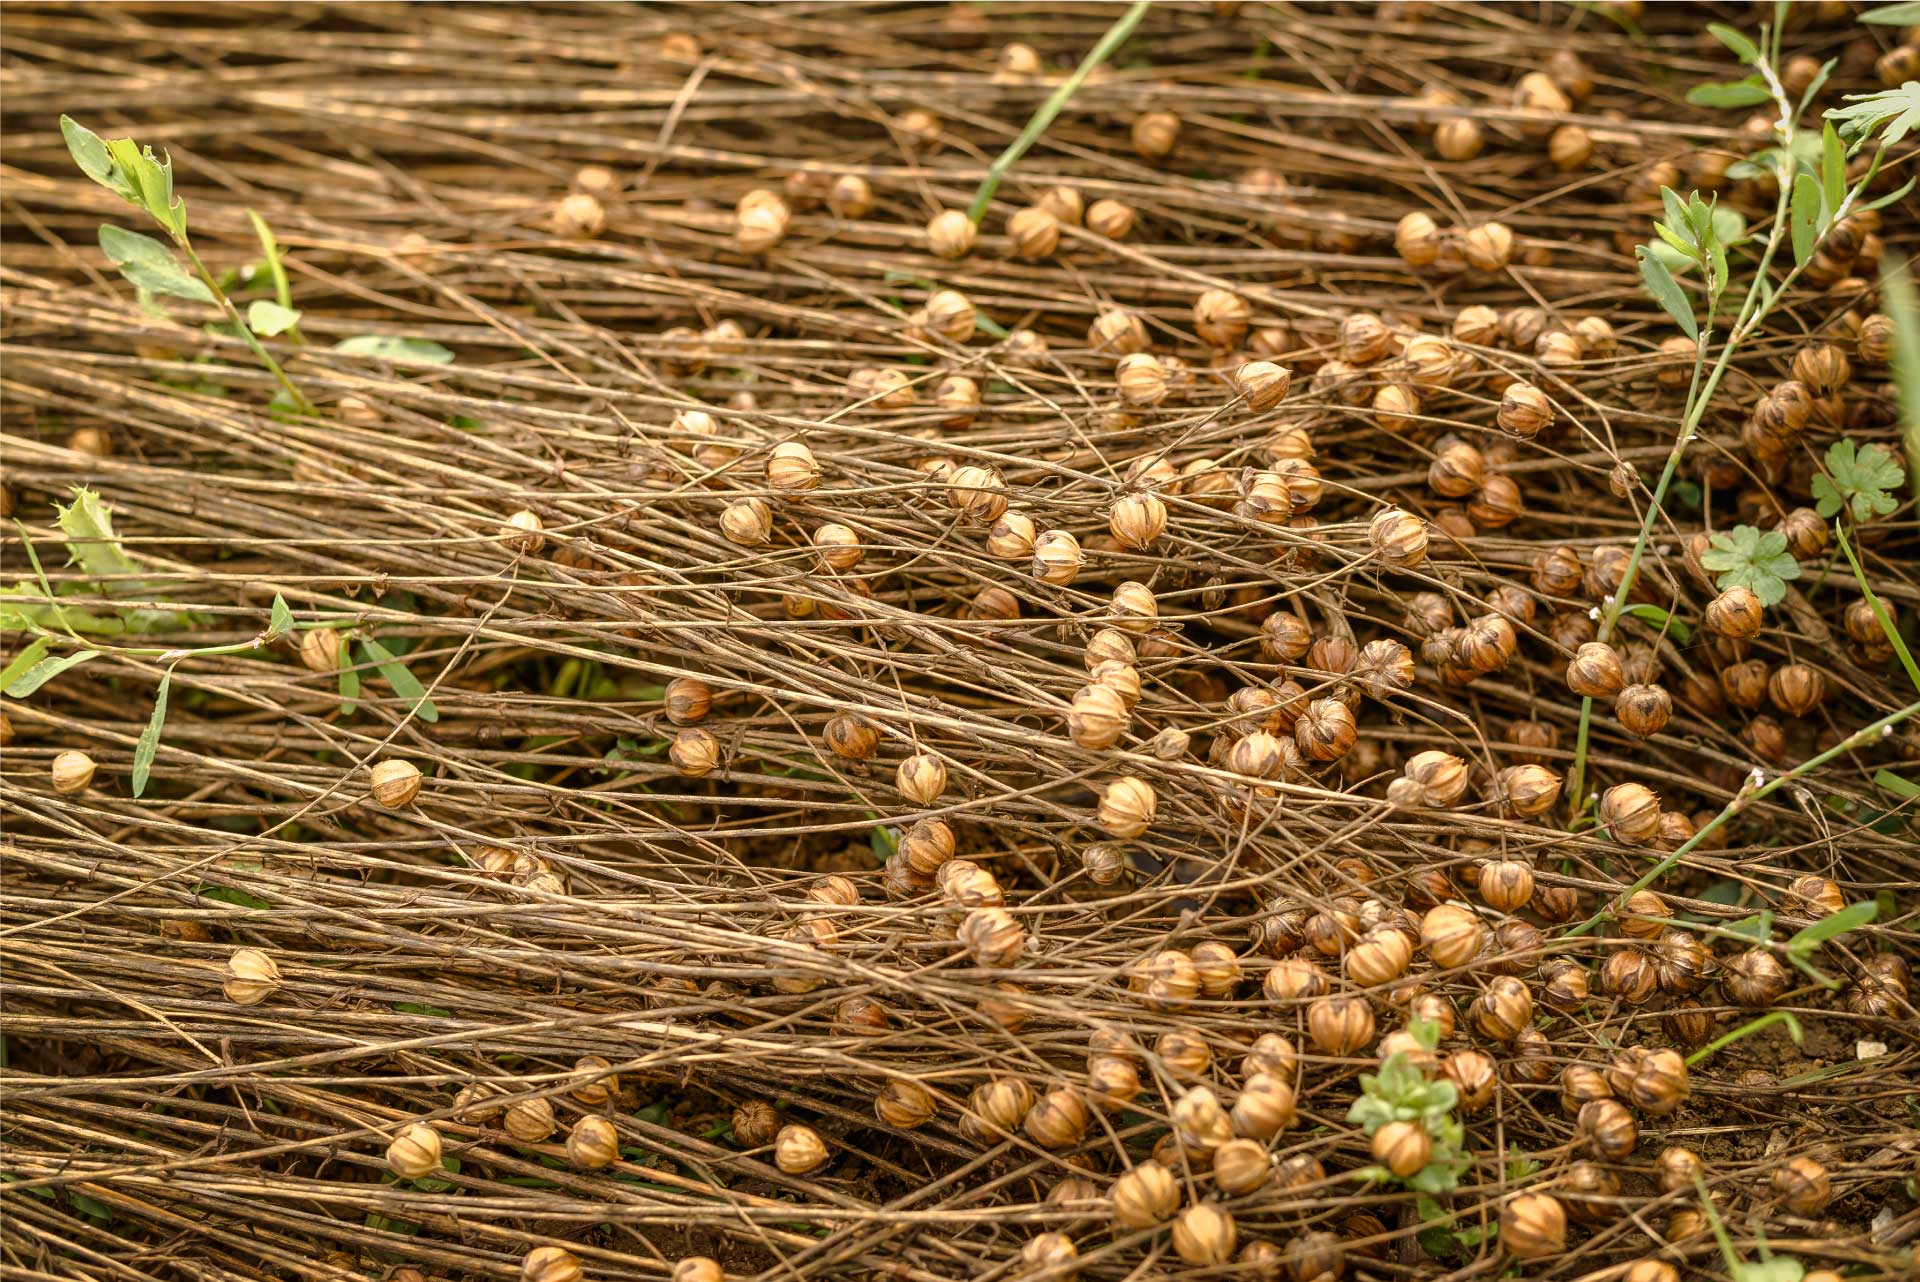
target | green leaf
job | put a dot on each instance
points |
(229, 895)
(1893, 15)
(91, 543)
(1857, 480)
(1743, 49)
(1905, 789)
(1833, 169)
(1897, 297)
(1667, 292)
(1757, 561)
(420, 1008)
(151, 179)
(1814, 87)
(276, 270)
(1750, 92)
(1781, 1268)
(24, 660)
(1898, 110)
(404, 683)
(1680, 242)
(1832, 926)
(89, 1206)
(401, 351)
(46, 670)
(89, 151)
(280, 622)
(1659, 618)
(349, 680)
(270, 318)
(1803, 218)
(150, 265)
(1758, 928)
(1675, 211)
(149, 745)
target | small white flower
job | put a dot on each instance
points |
(1886, 732)
(1594, 613)
(1756, 777)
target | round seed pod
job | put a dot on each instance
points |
(1364, 338)
(1118, 331)
(1097, 717)
(1034, 233)
(1489, 247)
(1398, 538)
(1631, 812)
(755, 1124)
(1586, 1189)
(1736, 614)
(1121, 678)
(1056, 558)
(320, 650)
(1796, 689)
(1262, 384)
(549, 1264)
(531, 1121)
(1396, 408)
(395, 783)
(1823, 367)
(950, 234)
(760, 221)
(1221, 317)
(1127, 807)
(747, 523)
(1053, 1253)
(1058, 1119)
(1452, 936)
(72, 772)
(921, 778)
(1441, 776)
(1473, 1075)
(1595, 671)
(799, 1149)
(1166, 977)
(1580, 1085)
(1141, 378)
(1811, 896)
(1524, 411)
(1803, 1186)
(1137, 520)
(1502, 1010)
(850, 196)
(1326, 731)
(977, 494)
(1265, 1107)
(1183, 1053)
(1403, 1148)
(1458, 138)
(959, 396)
(414, 1152)
(1754, 979)
(1527, 791)
(1661, 1084)
(1533, 1225)
(851, 736)
(997, 1108)
(593, 1144)
(1506, 884)
(1144, 1196)
(904, 1105)
(1457, 470)
(1608, 1127)
(1134, 607)
(1381, 957)
(1241, 1166)
(1643, 710)
(1640, 914)
(837, 546)
(1630, 975)
(1417, 239)
(1682, 963)
(928, 846)
(992, 937)
(697, 1268)
(1012, 537)
(1112, 219)
(792, 469)
(1155, 133)
(1340, 1026)
(1112, 1082)
(1205, 1236)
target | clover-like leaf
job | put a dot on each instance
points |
(1857, 480)
(1752, 559)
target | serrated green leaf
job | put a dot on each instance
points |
(269, 318)
(1857, 480)
(280, 621)
(1667, 292)
(401, 351)
(149, 745)
(397, 675)
(1743, 49)
(1893, 15)
(1803, 218)
(46, 670)
(1893, 112)
(150, 265)
(91, 543)
(23, 661)
(1750, 92)
(151, 178)
(1746, 557)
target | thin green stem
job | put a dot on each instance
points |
(1746, 798)
(1880, 615)
(1115, 37)
(1748, 1029)
(300, 402)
